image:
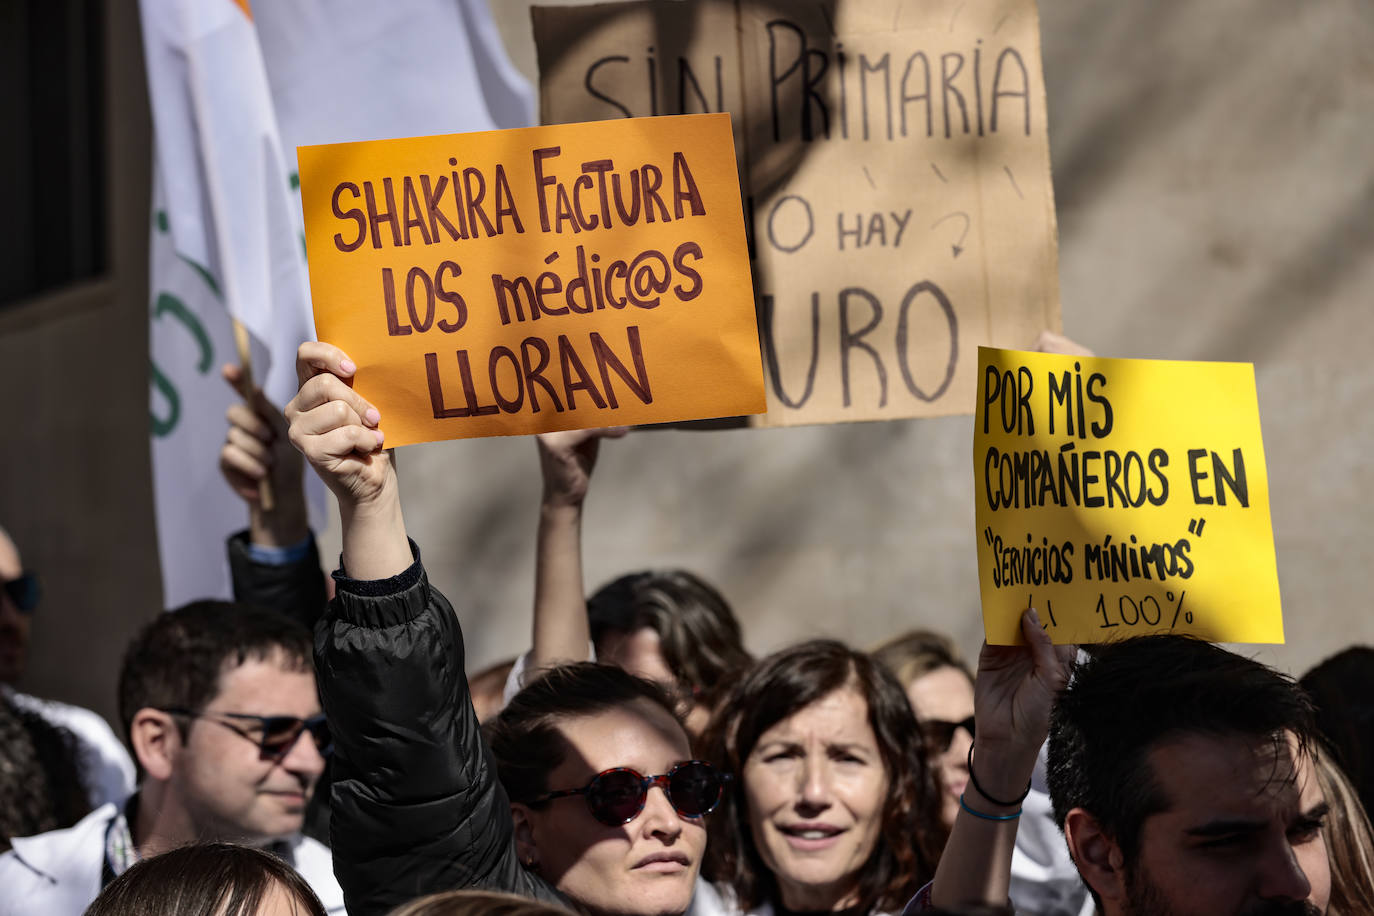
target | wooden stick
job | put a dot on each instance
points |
(266, 501)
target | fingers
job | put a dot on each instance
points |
(326, 388)
(1047, 657)
(254, 397)
(345, 441)
(327, 417)
(330, 433)
(243, 467)
(250, 423)
(1050, 342)
(559, 441)
(253, 450)
(315, 357)
(242, 472)
(566, 440)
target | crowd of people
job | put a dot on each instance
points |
(318, 745)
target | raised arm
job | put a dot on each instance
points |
(416, 805)
(1013, 694)
(274, 563)
(339, 433)
(256, 449)
(566, 460)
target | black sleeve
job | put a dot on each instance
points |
(416, 805)
(295, 589)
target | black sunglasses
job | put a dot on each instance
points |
(278, 733)
(24, 592)
(615, 797)
(939, 734)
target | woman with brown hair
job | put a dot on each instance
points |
(833, 807)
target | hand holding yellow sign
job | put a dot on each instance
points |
(1121, 497)
(539, 279)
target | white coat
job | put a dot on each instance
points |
(58, 873)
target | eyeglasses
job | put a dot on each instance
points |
(24, 592)
(617, 796)
(939, 734)
(274, 735)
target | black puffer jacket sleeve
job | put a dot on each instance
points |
(416, 805)
(296, 589)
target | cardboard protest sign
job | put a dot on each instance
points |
(896, 165)
(520, 281)
(1121, 497)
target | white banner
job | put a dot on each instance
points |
(233, 93)
(190, 337)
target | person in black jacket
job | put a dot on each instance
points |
(607, 805)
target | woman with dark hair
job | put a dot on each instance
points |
(596, 732)
(599, 804)
(212, 879)
(833, 807)
(673, 627)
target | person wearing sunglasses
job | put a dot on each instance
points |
(586, 793)
(940, 687)
(834, 807)
(103, 765)
(218, 703)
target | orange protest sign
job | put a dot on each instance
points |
(545, 278)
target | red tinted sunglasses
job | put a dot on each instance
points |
(616, 797)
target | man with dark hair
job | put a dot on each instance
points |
(1182, 777)
(218, 704)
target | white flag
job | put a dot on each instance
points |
(234, 90)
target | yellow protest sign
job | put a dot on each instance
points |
(546, 278)
(1121, 497)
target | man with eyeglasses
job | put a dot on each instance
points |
(219, 706)
(106, 772)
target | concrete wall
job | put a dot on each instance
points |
(1214, 172)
